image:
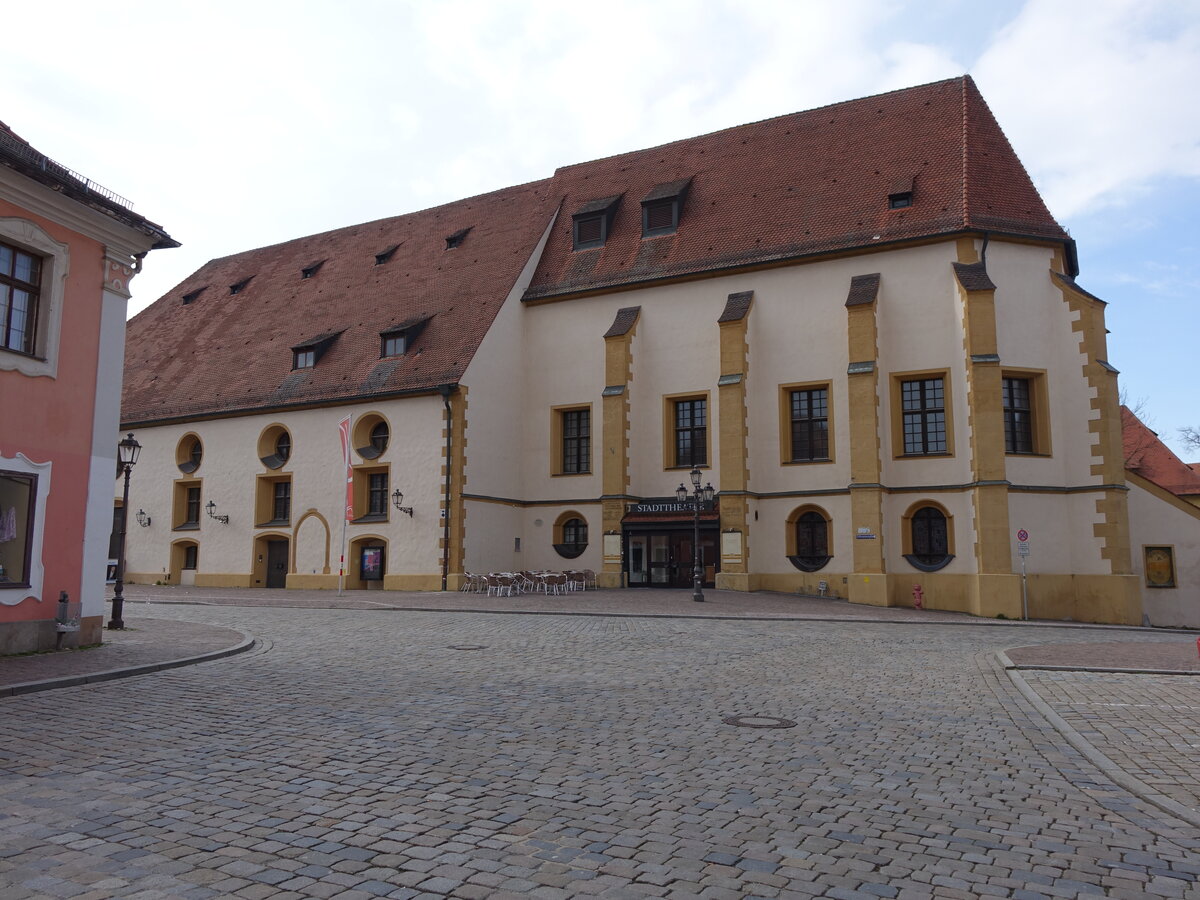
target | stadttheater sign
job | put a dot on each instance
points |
(663, 506)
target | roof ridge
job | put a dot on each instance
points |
(966, 142)
(795, 112)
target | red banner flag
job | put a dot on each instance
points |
(344, 433)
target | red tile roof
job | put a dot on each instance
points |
(225, 353)
(1149, 457)
(803, 184)
(809, 183)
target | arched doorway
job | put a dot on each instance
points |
(366, 564)
(272, 560)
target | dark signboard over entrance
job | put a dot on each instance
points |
(665, 505)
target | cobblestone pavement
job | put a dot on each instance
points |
(360, 754)
(1176, 652)
(1148, 725)
(145, 642)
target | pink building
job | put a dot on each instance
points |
(68, 249)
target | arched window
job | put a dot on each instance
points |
(809, 541)
(571, 533)
(379, 437)
(188, 454)
(930, 539)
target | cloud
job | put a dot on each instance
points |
(1096, 98)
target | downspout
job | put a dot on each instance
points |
(445, 390)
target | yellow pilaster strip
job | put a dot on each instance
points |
(734, 478)
(614, 475)
(994, 588)
(457, 511)
(868, 584)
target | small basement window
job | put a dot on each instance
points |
(455, 240)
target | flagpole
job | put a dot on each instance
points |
(344, 431)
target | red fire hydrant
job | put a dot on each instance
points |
(918, 597)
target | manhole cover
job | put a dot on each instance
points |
(759, 722)
(467, 647)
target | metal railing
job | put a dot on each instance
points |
(15, 147)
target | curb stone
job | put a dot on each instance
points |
(49, 684)
(1110, 769)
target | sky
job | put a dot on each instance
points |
(241, 124)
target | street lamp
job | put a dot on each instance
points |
(127, 457)
(699, 495)
(398, 502)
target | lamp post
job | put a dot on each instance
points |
(699, 495)
(127, 457)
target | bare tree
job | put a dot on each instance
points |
(1190, 437)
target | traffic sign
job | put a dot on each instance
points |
(1022, 548)
(1022, 535)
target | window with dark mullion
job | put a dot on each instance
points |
(810, 424)
(377, 494)
(691, 432)
(930, 541)
(1018, 416)
(193, 506)
(923, 406)
(20, 280)
(576, 441)
(283, 501)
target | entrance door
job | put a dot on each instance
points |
(277, 564)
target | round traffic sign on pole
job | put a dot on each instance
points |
(1022, 535)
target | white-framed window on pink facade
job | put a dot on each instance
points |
(24, 488)
(33, 272)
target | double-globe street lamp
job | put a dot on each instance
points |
(127, 457)
(699, 496)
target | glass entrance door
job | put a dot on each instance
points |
(660, 560)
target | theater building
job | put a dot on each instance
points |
(859, 323)
(68, 249)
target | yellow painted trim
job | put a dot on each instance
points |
(906, 528)
(360, 435)
(314, 514)
(264, 498)
(565, 517)
(175, 558)
(794, 516)
(222, 580)
(459, 405)
(1039, 400)
(354, 557)
(179, 501)
(785, 422)
(896, 379)
(183, 452)
(556, 439)
(268, 438)
(258, 548)
(311, 582)
(360, 487)
(417, 583)
(669, 401)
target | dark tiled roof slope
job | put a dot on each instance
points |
(17, 154)
(803, 184)
(1153, 460)
(225, 353)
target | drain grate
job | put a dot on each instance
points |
(467, 647)
(759, 722)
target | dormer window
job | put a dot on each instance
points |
(239, 286)
(393, 343)
(901, 194)
(590, 225)
(305, 355)
(310, 271)
(396, 340)
(191, 296)
(455, 240)
(386, 255)
(661, 208)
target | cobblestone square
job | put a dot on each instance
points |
(358, 754)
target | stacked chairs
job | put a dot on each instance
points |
(507, 584)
